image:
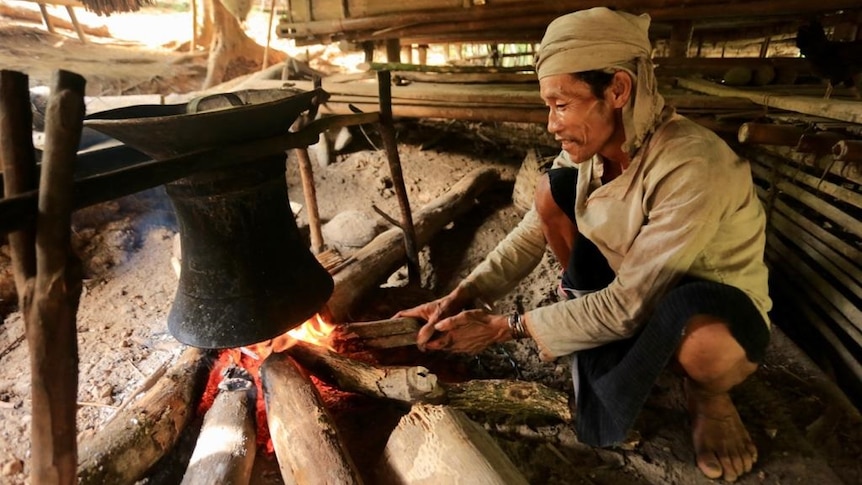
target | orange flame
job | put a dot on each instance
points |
(315, 330)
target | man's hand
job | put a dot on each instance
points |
(469, 332)
(434, 311)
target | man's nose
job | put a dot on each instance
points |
(553, 122)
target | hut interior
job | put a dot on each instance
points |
(414, 136)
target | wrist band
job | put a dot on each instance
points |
(516, 326)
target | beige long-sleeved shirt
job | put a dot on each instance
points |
(686, 205)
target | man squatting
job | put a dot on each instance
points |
(656, 222)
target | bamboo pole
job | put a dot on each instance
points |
(848, 151)
(828, 108)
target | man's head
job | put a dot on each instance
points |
(605, 56)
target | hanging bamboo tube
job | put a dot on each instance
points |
(848, 150)
(767, 134)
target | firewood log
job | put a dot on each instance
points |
(439, 444)
(307, 443)
(125, 449)
(227, 444)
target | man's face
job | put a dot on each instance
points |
(582, 123)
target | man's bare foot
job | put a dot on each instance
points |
(721, 442)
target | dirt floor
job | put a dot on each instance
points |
(805, 429)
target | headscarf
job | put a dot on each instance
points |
(603, 39)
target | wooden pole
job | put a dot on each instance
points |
(307, 443)
(680, 38)
(310, 193)
(137, 437)
(265, 61)
(193, 44)
(227, 444)
(387, 132)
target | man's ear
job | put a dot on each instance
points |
(620, 89)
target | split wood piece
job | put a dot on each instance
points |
(407, 384)
(307, 443)
(439, 444)
(49, 291)
(227, 444)
(848, 150)
(379, 258)
(378, 334)
(127, 447)
(767, 134)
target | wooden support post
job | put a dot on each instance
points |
(393, 50)
(766, 134)
(423, 54)
(136, 438)
(406, 53)
(384, 253)
(848, 151)
(439, 444)
(227, 444)
(387, 131)
(680, 38)
(265, 61)
(49, 295)
(71, 10)
(193, 44)
(307, 443)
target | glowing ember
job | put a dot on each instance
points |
(315, 331)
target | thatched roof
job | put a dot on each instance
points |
(107, 7)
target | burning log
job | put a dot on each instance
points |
(226, 446)
(439, 444)
(408, 384)
(125, 449)
(306, 441)
(379, 334)
(386, 252)
(516, 400)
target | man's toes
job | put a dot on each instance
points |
(709, 465)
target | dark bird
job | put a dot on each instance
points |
(836, 62)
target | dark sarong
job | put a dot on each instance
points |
(613, 381)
